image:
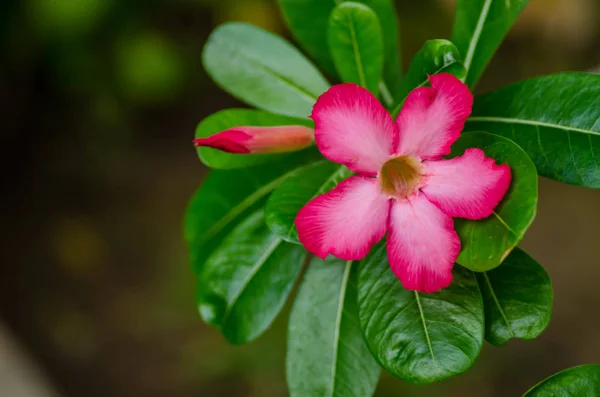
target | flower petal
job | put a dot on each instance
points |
(354, 129)
(422, 244)
(469, 186)
(345, 222)
(433, 117)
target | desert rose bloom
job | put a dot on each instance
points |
(403, 186)
(256, 140)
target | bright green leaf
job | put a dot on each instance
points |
(555, 119)
(479, 28)
(262, 69)
(326, 354)
(582, 381)
(417, 337)
(485, 243)
(246, 280)
(517, 297)
(230, 118)
(302, 185)
(356, 45)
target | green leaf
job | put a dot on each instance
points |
(479, 28)
(436, 56)
(302, 186)
(517, 297)
(555, 119)
(485, 243)
(356, 45)
(246, 280)
(262, 69)
(326, 354)
(418, 337)
(230, 118)
(582, 381)
(226, 196)
(308, 21)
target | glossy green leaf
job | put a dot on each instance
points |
(555, 119)
(582, 381)
(356, 45)
(517, 297)
(485, 243)
(326, 353)
(436, 56)
(230, 118)
(302, 186)
(262, 69)
(226, 196)
(479, 28)
(246, 280)
(419, 337)
(308, 21)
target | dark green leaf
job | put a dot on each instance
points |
(436, 56)
(327, 355)
(517, 297)
(582, 381)
(485, 243)
(230, 118)
(262, 69)
(555, 119)
(303, 185)
(226, 196)
(419, 337)
(479, 28)
(246, 280)
(356, 45)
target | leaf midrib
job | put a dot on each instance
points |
(356, 50)
(509, 120)
(497, 302)
(428, 339)
(476, 35)
(338, 322)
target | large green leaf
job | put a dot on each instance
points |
(436, 56)
(485, 243)
(356, 45)
(326, 354)
(302, 185)
(419, 337)
(479, 28)
(226, 196)
(555, 119)
(517, 297)
(230, 118)
(262, 69)
(582, 381)
(308, 21)
(246, 280)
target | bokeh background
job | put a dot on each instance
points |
(99, 100)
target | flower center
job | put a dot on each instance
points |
(400, 176)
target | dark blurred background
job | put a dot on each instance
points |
(99, 101)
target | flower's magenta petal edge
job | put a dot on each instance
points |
(354, 129)
(345, 222)
(469, 186)
(232, 141)
(433, 117)
(422, 244)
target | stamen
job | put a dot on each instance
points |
(400, 176)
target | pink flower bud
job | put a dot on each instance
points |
(249, 140)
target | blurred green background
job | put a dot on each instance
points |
(99, 102)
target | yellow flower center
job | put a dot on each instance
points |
(400, 176)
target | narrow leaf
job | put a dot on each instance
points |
(326, 354)
(517, 297)
(582, 381)
(417, 337)
(555, 119)
(262, 69)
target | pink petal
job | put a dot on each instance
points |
(422, 244)
(352, 128)
(469, 186)
(345, 222)
(433, 117)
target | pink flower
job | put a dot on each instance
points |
(403, 186)
(253, 140)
